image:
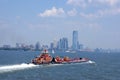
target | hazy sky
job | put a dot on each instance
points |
(29, 21)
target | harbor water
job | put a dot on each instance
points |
(15, 65)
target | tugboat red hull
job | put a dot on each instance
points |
(76, 60)
(46, 58)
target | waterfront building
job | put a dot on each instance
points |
(31, 47)
(80, 46)
(44, 47)
(75, 42)
(37, 46)
(55, 44)
(51, 45)
(6, 46)
(18, 45)
(63, 44)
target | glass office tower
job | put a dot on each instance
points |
(63, 44)
(75, 40)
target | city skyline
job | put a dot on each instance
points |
(44, 20)
(61, 43)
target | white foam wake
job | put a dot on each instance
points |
(91, 62)
(10, 68)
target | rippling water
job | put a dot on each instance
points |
(13, 67)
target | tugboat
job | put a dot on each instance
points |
(46, 58)
(43, 58)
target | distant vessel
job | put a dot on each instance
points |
(67, 51)
(53, 51)
(46, 58)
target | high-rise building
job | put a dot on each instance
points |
(18, 45)
(63, 44)
(51, 45)
(80, 46)
(37, 46)
(75, 40)
(55, 44)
